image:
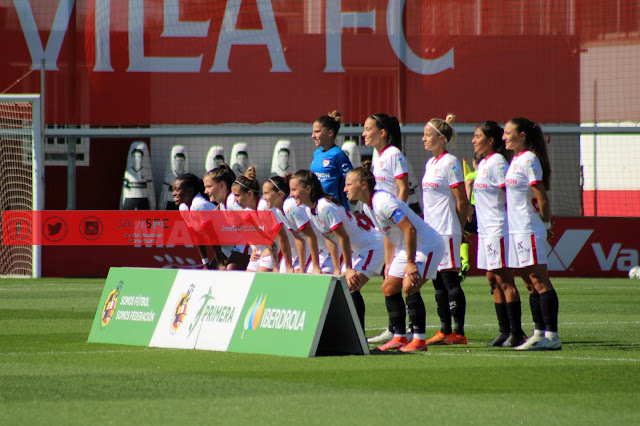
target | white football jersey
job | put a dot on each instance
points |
(329, 216)
(387, 210)
(523, 212)
(231, 204)
(439, 204)
(298, 219)
(283, 221)
(198, 204)
(490, 196)
(388, 166)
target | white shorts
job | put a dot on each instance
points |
(451, 257)
(266, 261)
(326, 263)
(368, 262)
(492, 253)
(527, 250)
(427, 268)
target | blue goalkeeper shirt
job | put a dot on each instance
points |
(331, 167)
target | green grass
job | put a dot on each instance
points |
(49, 374)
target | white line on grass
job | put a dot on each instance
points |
(59, 289)
(530, 323)
(524, 355)
(71, 352)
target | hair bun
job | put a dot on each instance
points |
(250, 172)
(335, 115)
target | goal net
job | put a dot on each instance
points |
(21, 177)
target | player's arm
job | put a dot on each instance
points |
(345, 246)
(204, 256)
(285, 248)
(410, 239)
(462, 203)
(543, 204)
(468, 186)
(301, 249)
(312, 241)
(220, 258)
(334, 251)
(389, 254)
(403, 187)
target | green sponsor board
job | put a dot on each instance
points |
(286, 315)
(264, 313)
(131, 304)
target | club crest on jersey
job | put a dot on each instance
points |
(110, 304)
(325, 163)
(181, 309)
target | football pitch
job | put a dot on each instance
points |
(49, 374)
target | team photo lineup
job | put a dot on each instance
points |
(355, 222)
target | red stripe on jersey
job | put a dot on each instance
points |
(402, 175)
(303, 226)
(334, 228)
(426, 266)
(534, 249)
(364, 267)
(534, 182)
(502, 253)
(456, 184)
(384, 149)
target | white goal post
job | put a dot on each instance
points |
(21, 176)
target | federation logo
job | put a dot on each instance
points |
(110, 304)
(181, 309)
(325, 163)
(199, 316)
(254, 314)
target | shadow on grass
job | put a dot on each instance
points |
(585, 344)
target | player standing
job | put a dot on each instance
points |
(445, 210)
(411, 257)
(529, 213)
(389, 167)
(493, 232)
(330, 163)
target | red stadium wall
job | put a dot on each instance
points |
(582, 247)
(299, 63)
(612, 203)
